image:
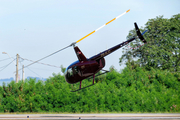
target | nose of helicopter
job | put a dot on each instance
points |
(71, 75)
(67, 76)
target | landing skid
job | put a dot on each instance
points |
(92, 83)
(83, 87)
(106, 71)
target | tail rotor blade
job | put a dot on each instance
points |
(144, 32)
(139, 33)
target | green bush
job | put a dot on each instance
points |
(132, 90)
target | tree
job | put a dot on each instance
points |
(162, 50)
(63, 69)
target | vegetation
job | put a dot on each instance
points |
(149, 83)
(163, 47)
(133, 90)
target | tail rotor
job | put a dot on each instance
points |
(140, 36)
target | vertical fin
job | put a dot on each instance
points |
(79, 54)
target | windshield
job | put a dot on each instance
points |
(71, 71)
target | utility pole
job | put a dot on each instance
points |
(23, 73)
(17, 57)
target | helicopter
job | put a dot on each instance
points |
(86, 67)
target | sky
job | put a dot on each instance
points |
(36, 28)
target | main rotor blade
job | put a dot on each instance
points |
(46, 57)
(79, 39)
(102, 26)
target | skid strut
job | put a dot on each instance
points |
(93, 78)
(92, 83)
(80, 85)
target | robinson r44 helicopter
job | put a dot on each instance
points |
(86, 67)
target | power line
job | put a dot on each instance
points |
(30, 69)
(41, 63)
(34, 72)
(6, 66)
(3, 66)
(42, 69)
(5, 59)
(47, 56)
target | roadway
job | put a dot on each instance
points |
(89, 116)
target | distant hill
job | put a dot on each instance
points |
(8, 80)
(37, 78)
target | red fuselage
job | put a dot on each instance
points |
(78, 71)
